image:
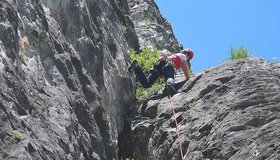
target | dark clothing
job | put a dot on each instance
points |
(160, 68)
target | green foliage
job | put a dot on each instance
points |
(146, 59)
(145, 93)
(123, 29)
(192, 104)
(17, 135)
(239, 53)
(38, 31)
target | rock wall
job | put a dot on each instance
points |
(65, 90)
(227, 112)
(152, 29)
(64, 84)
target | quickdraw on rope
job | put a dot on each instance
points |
(177, 126)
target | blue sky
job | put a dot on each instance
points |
(212, 27)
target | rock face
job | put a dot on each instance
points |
(64, 84)
(152, 29)
(227, 112)
(65, 90)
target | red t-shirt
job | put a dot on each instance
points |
(177, 59)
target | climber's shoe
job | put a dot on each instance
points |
(171, 89)
(133, 65)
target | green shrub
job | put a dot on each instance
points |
(145, 93)
(17, 135)
(193, 104)
(239, 53)
(38, 31)
(123, 29)
(146, 59)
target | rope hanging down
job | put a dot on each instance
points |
(177, 126)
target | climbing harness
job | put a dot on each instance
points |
(177, 126)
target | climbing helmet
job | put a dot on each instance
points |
(188, 52)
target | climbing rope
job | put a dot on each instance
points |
(177, 126)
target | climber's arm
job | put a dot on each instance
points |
(185, 69)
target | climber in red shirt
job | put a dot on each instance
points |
(166, 66)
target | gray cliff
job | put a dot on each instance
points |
(227, 112)
(65, 92)
(65, 89)
(64, 84)
(152, 29)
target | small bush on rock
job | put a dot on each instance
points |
(146, 59)
(239, 53)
